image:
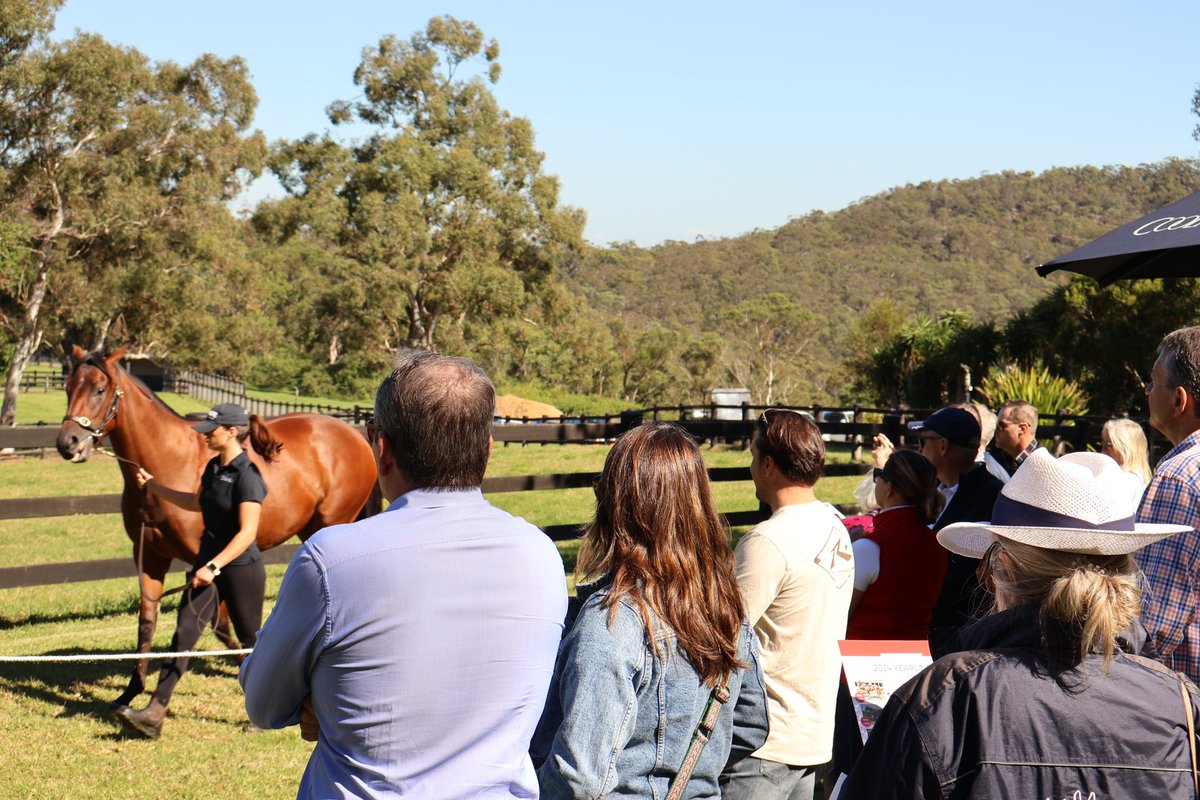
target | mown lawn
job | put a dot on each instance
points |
(49, 408)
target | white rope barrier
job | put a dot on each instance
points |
(124, 656)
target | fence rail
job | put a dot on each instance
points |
(214, 389)
(1062, 432)
(45, 382)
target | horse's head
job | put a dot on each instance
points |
(92, 399)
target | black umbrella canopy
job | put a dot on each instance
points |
(1164, 244)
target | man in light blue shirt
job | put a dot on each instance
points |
(417, 646)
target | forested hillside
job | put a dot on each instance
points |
(968, 245)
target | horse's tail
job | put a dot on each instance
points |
(374, 503)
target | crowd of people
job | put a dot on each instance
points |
(432, 650)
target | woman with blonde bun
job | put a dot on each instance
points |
(1050, 701)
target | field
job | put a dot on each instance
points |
(55, 739)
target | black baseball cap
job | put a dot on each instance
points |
(955, 425)
(229, 415)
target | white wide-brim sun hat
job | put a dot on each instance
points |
(1074, 504)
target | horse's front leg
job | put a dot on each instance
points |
(150, 581)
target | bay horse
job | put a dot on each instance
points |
(324, 475)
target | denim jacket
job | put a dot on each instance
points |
(619, 718)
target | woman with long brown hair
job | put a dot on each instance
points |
(659, 632)
(229, 566)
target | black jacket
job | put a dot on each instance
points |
(999, 723)
(961, 599)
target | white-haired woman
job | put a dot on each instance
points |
(1049, 704)
(1124, 441)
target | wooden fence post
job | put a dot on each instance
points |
(858, 439)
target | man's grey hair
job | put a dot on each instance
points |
(437, 411)
(1022, 411)
(1180, 352)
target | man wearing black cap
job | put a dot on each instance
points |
(950, 440)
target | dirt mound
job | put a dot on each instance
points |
(509, 405)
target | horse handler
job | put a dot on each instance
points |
(230, 564)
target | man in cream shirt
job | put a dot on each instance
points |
(796, 573)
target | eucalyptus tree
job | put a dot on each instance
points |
(445, 199)
(116, 164)
(766, 342)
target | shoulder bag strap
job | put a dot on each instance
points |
(1187, 705)
(704, 728)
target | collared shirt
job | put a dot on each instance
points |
(426, 636)
(1172, 565)
(223, 488)
(1033, 445)
(947, 493)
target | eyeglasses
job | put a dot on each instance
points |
(372, 428)
(880, 475)
(931, 438)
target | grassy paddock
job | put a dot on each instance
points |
(49, 408)
(55, 739)
(58, 744)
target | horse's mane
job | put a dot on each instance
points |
(99, 360)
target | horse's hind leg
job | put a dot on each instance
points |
(224, 632)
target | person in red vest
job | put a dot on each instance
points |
(898, 572)
(899, 567)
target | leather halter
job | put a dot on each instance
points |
(99, 431)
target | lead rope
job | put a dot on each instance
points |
(141, 530)
(98, 434)
(142, 540)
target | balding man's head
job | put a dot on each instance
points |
(437, 413)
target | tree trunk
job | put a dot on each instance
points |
(31, 333)
(102, 339)
(418, 335)
(28, 343)
(335, 349)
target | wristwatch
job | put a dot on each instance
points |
(212, 565)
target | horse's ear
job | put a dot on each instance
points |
(115, 355)
(78, 353)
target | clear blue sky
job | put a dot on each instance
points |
(672, 120)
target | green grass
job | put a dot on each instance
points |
(56, 741)
(36, 406)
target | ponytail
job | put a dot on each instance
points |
(1084, 601)
(1095, 603)
(262, 441)
(915, 479)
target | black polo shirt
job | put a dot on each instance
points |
(222, 490)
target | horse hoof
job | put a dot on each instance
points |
(114, 710)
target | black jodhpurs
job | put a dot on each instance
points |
(242, 588)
